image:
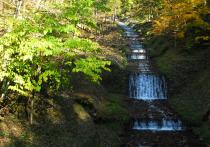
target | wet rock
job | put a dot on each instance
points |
(153, 123)
(206, 117)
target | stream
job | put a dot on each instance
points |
(153, 123)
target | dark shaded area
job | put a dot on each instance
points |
(161, 139)
(185, 63)
(117, 80)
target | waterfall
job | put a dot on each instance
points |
(146, 85)
(158, 125)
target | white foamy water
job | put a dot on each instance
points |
(155, 125)
(145, 84)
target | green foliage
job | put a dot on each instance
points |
(101, 5)
(113, 109)
(115, 6)
(145, 10)
(45, 46)
(179, 44)
(40, 48)
(126, 5)
(4, 134)
(204, 132)
(91, 67)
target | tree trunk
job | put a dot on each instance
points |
(38, 4)
(204, 3)
(2, 7)
(18, 8)
(115, 14)
(31, 103)
(2, 19)
(4, 89)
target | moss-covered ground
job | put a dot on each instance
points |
(188, 76)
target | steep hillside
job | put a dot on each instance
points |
(188, 76)
(85, 115)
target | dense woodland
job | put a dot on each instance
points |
(62, 60)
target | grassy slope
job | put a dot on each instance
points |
(90, 116)
(69, 123)
(188, 78)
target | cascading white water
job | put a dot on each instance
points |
(143, 84)
(137, 56)
(158, 125)
(146, 85)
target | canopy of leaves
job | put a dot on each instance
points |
(180, 19)
(42, 43)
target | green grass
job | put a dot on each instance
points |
(113, 109)
(189, 84)
(4, 134)
(188, 77)
(189, 87)
(204, 132)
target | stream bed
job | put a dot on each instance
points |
(153, 123)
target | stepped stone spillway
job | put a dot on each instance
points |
(146, 85)
(153, 124)
(158, 125)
